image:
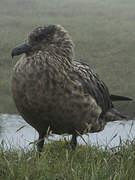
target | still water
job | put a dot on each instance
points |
(110, 136)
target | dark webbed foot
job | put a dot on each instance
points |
(73, 142)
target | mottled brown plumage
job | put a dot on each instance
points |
(53, 91)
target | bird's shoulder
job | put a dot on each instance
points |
(87, 74)
(92, 84)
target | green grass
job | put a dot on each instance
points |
(59, 162)
(103, 32)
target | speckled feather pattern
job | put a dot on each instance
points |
(50, 89)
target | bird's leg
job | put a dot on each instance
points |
(73, 142)
(40, 142)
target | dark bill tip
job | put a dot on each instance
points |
(20, 49)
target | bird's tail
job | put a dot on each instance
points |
(119, 98)
(114, 115)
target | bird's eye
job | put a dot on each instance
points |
(39, 37)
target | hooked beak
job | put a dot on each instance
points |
(20, 49)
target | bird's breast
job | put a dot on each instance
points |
(40, 84)
(49, 93)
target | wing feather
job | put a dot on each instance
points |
(93, 85)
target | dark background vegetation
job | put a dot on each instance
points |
(103, 33)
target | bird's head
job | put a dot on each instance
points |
(44, 38)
